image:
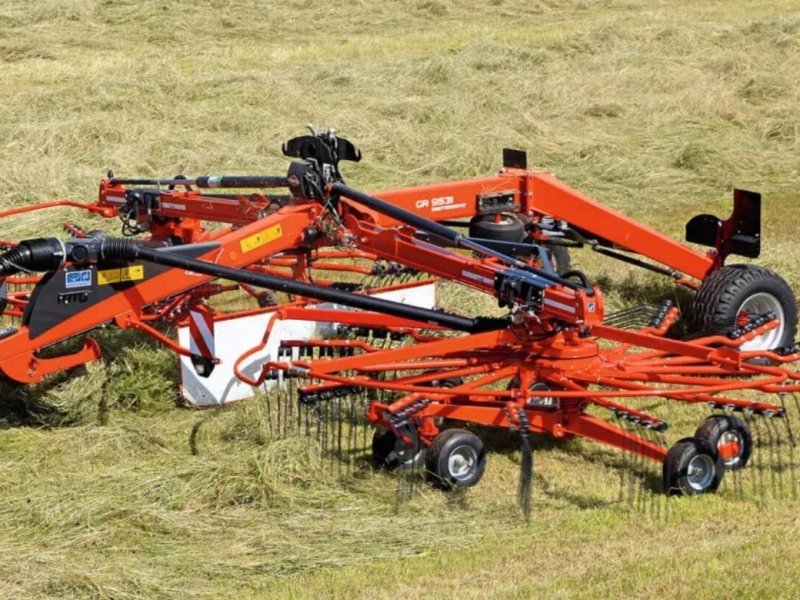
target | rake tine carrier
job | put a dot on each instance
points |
(382, 348)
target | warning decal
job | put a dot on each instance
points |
(110, 276)
(270, 234)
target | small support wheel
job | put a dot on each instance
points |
(560, 257)
(729, 437)
(455, 459)
(266, 298)
(733, 293)
(389, 452)
(691, 468)
(444, 382)
(503, 227)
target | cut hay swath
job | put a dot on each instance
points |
(357, 342)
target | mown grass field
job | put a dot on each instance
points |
(658, 108)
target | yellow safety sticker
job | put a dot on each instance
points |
(270, 234)
(109, 276)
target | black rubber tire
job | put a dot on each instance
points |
(384, 451)
(677, 481)
(715, 427)
(446, 382)
(383, 441)
(266, 298)
(536, 386)
(560, 257)
(722, 294)
(509, 229)
(444, 446)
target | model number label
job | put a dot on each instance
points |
(438, 204)
(262, 238)
(78, 279)
(109, 276)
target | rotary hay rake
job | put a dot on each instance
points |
(357, 347)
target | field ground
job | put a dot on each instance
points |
(658, 108)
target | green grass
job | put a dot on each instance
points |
(657, 108)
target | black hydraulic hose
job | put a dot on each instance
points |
(440, 230)
(212, 181)
(129, 250)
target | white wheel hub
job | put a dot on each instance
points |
(461, 462)
(758, 304)
(700, 472)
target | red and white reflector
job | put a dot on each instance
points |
(201, 333)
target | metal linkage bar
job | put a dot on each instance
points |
(130, 250)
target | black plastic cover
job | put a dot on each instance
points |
(515, 159)
(324, 149)
(739, 234)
